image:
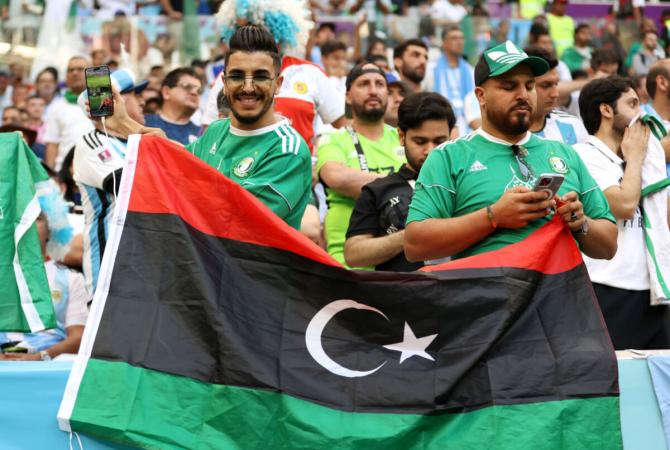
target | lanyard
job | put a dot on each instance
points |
(362, 160)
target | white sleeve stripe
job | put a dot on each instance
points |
(283, 140)
(587, 191)
(438, 186)
(294, 139)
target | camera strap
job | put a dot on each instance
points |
(362, 160)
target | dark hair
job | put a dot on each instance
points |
(448, 28)
(655, 71)
(399, 51)
(253, 38)
(372, 44)
(222, 103)
(330, 25)
(603, 56)
(173, 77)
(537, 30)
(375, 59)
(420, 107)
(581, 26)
(66, 178)
(540, 52)
(52, 70)
(332, 46)
(599, 91)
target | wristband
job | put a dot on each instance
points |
(491, 217)
(44, 355)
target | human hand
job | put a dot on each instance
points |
(175, 15)
(571, 210)
(635, 142)
(519, 206)
(22, 357)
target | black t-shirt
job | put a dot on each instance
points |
(382, 210)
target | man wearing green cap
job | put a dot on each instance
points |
(475, 195)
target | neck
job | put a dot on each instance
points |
(416, 87)
(371, 130)
(410, 167)
(266, 120)
(610, 139)
(537, 123)
(493, 131)
(176, 115)
(33, 123)
(452, 59)
(662, 105)
(76, 91)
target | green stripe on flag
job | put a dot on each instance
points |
(128, 404)
(652, 252)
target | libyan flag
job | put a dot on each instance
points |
(25, 298)
(215, 325)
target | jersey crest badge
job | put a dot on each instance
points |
(300, 87)
(244, 166)
(105, 155)
(558, 164)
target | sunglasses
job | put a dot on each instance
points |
(520, 154)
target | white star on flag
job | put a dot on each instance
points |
(412, 346)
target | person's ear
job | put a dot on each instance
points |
(280, 81)
(606, 111)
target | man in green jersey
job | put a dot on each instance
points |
(254, 147)
(350, 158)
(475, 194)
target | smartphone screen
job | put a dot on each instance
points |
(99, 89)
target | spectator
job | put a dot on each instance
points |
(20, 95)
(452, 76)
(579, 56)
(649, 53)
(466, 201)
(222, 105)
(11, 115)
(398, 90)
(546, 121)
(98, 57)
(323, 33)
(5, 90)
(604, 63)
(46, 86)
(539, 37)
(380, 61)
(640, 82)
(615, 153)
(376, 228)
(98, 162)
(349, 159)
(69, 298)
(66, 122)
(658, 88)
(180, 94)
(561, 26)
(334, 59)
(35, 121)
(410, 59)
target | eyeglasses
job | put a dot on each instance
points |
(236, 81)
(520, 154)
(190, 87)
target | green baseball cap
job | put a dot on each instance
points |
(503, 58)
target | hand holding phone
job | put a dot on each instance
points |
(99, 90)
(550, 183)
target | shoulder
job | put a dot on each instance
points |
(93, 140)
(292, 65)
(334, 137)
(289, 141)
(150, 119)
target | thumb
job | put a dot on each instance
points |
(518, 189)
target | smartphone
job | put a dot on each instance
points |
(549, 182)
(99, 90)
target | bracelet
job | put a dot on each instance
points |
(44, 355)
(491, 217)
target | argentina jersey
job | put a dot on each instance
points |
(563, 127)
(97, 163)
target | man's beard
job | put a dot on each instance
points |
(249, 120)
(504, 120)
(619, 124)
(368, 114)
(413, 75)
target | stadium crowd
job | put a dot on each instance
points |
(403, 149)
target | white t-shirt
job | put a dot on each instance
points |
(65, 123)
(444, 10)
(76, 312)
(564, 127)
(563, 71)
(628, 269)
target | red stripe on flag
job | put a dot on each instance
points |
(551, 249)
(170, 180)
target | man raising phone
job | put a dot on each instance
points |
(475, 194)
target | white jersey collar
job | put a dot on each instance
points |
(259, 131)
(490, 137)
(604, 149)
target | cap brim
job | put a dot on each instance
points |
(137, 88)
(538, 65)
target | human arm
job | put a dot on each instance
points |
(75, 256)
(625, 197)
(68, 345)
(341, 122)
(369, 250)
(50, 153)
(310, 225)
(345, 180)
(358, 48)
(167, 7)
(440, 237)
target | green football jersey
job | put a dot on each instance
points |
(472, 172)
(383, 156)
(273, 163)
